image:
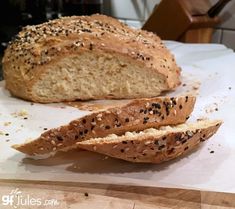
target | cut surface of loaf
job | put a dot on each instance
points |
(135, 115)
(153, 145)
(87, 57)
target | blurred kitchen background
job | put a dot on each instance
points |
(14, 14)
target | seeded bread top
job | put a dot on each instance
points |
(39, 45)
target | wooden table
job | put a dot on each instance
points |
(99, 196)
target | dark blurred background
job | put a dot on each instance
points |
(14, 14)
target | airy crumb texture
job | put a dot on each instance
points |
(153, 145)
(87, 57)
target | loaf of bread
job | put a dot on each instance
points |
(136, 115)
(87, 57)
(152, 145)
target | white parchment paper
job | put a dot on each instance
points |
(209, 64)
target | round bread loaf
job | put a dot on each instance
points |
(87, 57)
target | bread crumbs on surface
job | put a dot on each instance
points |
(7, 123)
(202, 118)
(211, 108)
(21, 113)
(1, 133)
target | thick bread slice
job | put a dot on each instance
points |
(152, 145)
(87, 57)
(136, 115)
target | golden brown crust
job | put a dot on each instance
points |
(136, 115)
(153, 149)
(36, 48)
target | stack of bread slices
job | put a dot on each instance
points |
(97, 57)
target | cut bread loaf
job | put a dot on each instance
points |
(87, 57)
(136, 115)
(153, 145)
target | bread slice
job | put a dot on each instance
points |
(153, 145)
(87, 57)
(136, 115)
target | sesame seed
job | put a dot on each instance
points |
(99, 115)
(93, 123)
(141, 110)
(59, 138)
(53, 142)
(189, 133)
(186, 99)
(161, 147)
(147, 142)
(185, 148)
(184, 141)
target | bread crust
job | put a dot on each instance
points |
(152, 149)
(37, 48)
(137, 115)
